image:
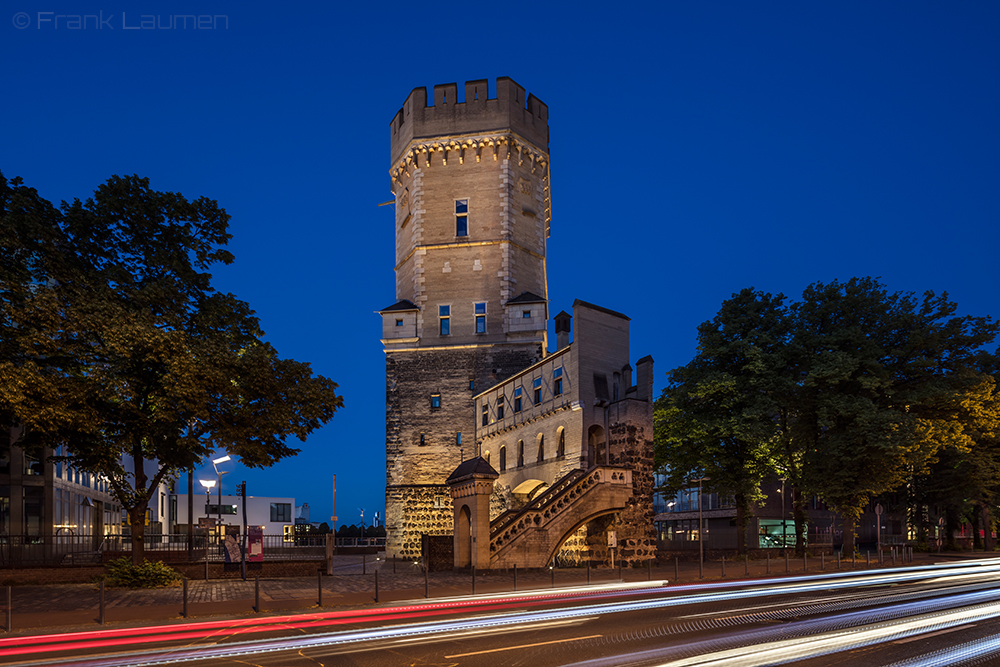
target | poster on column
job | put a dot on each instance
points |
(255, 544)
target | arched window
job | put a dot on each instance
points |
(561, 447)
(503, 459)
(541, 447)
(520, 453)
(487, 455)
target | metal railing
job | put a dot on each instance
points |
(68, 549)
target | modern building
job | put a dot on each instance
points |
(468, 369)
(273, 514)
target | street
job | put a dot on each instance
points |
(942, 614)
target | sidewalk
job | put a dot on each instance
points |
(63, 606)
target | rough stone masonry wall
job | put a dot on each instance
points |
(631, 438)
(417, 500)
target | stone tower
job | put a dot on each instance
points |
(471, 186)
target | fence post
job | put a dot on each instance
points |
(805, 562)
(376, 585)
(723, 566)
(427, 590)
(515, 577)
(473, 579)
(552, 569)
(620, 571)
(394, 563)
(822, 560)
(677, 572)
(746, 565)
(786, 562)
(769, 562)
(319, 587)
(184, 613)
(588, 572)
(256, 593)
(649, 569)
(854, 560)
(364, 561)
(838, 560)
(868, 559)
(206, 563)
(100, 612)
(10, 613)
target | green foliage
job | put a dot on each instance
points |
(115, 343)
(148, 574)
(847, 394)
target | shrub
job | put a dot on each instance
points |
(150, 574)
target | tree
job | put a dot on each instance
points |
(716, 419)
(131, 353)
(881, 381)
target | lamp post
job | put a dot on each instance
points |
(208, 484)
(220, 473)
(701, 529)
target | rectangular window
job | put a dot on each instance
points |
(557, 385)
(486, 413)
(517, 399)
(444, 316)
(435, 401)
(538, 390)
(526, 314)
(213, 510)
(458, 438)
(499, 407)
(481, 317)
(461, 217)
(281, 512)
(399, 322)
(472, 385)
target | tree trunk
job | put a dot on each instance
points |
(951, 524)
(976, 523)
(741, 523)
(137, 520)
(799, 515)
(850, 523)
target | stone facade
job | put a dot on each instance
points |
(472, 220)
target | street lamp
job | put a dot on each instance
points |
(208, 484)
(220, 473)
(701, 530)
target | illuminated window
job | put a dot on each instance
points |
(461, 217)
(481, 317)
(444, 316)
(435, 401)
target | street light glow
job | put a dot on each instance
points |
(207, 483)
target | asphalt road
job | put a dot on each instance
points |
(929, 615)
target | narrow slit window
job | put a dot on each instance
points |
(557, 384)
(480, 311)
(435, 401)
(486, 413)
(461, 217)
(499, 407)
(538, 390)
(444, 317)
(517, 399)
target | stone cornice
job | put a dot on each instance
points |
(425, 152)
(464, 244)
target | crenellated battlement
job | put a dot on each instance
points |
(511, 109)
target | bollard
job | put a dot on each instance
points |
(838, 560)
(588, 572)
(184, 613)
(100, 608)
(805, 562)
(854, 560)
(427, 589)
(256, 593)
(206, 565)
(473, 579)
(822, 560)
(364, 560)
(649, 570)
(894, 556)
(701, 567)
(746, 565)
(786, 563)
(677, 575)
(10, 613)
(515, 577)
(376, 585)
(868, 559)
(769, 562)
(553, 571)
(394, 563)
(319, 588)
(723, 566)
(619, 571)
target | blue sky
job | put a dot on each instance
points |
(697, 148)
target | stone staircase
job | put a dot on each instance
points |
(530, 536)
